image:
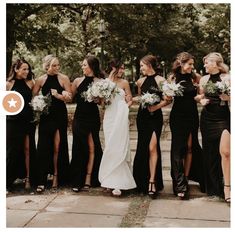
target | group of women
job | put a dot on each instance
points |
(111, 168)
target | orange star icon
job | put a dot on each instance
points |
(12, 102)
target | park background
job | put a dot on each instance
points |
(126, 31)
(129, 31)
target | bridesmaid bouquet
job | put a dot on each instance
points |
(104, 89)
(217, 88)
(40, 105)
(149, 99)
(223, 86)
(172, 89)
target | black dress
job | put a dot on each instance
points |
(215, 118)
(86, 120)
(147, 124)
(184, 120)
(18, 127)
(57, 119)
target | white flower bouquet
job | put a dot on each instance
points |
(149, 99)
(40, 105)
(104, 89)
(223, 87)
(172, 89)
(217, 88)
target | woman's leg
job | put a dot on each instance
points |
(188, 157)
(27, 160)
(225, 162)
(90, 160)
(55, 158)
(153, 156)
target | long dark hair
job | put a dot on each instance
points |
(16, 65)
(114, 63)
(181, 59)
(94, 65)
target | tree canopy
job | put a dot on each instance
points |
(70, 31)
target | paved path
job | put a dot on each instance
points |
(97, 208)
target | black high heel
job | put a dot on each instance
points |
(151, 192)
(86, 187)
(55, 183)
(227, 199)
(27, 184)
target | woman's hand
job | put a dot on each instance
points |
(54, 93)
(67, 95)
(224, 97)
(136, 99)
(199, 97)
(99, 101)
(204, 101)
(168, 98)
(152, 108)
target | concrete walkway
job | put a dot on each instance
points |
(97, 208)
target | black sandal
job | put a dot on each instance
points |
(54, 187)
(151, 193)
(183, 195)
(76, 189)
(86, 187)
(27, 184)
(40, 189)
(227, 199)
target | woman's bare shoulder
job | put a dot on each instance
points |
(9, 84)
(78, 81)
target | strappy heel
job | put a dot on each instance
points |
(86, 187)
(76, 189)
(151, 192)
(40, 189)
(227, 199)
(54, 186)
(27, 184)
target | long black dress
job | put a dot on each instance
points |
(215, 118)
(57, 119)
(184, 120)
(147, 124)
(18, 127)
(86, 120)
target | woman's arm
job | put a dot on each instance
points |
(66, 94)
(128, 95)
(37, 86)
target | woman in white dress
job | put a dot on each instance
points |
(115, 170)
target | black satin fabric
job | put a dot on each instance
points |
(215, 118)
(86, 120)
(184, 120)
(147, 124)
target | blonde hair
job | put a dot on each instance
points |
(217, 57)
(47, 61)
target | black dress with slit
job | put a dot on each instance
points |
(147, 124)
(18, 127)
(215, 118)
(86, 121)
(184, 120)
(56, 120)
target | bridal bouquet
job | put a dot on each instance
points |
(40, 105)
(104, 89)
(172, 89)
(149, 99)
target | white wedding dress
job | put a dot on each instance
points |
(115, 168)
